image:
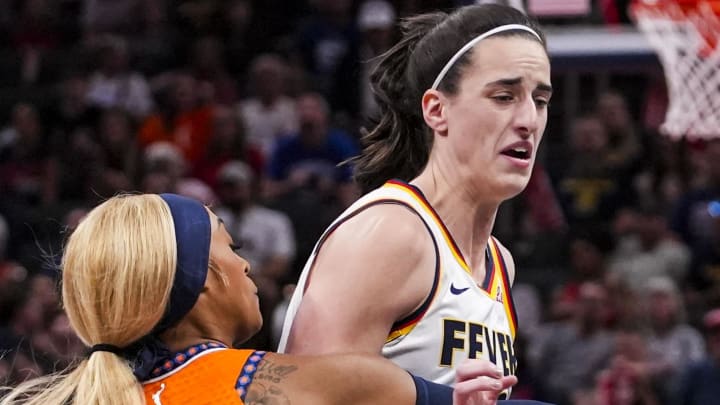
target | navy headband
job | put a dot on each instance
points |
(192, 237)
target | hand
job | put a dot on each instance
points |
(479, 382)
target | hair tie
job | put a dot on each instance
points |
(103, 347)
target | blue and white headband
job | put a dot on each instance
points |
(473, 42)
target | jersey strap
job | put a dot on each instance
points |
(248, 372)
(501, 285)
(418, 196)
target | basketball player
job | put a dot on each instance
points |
(411, 270)
(138, 290)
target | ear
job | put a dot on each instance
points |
(433, 107)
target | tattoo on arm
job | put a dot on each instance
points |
(269, 371)
(262, 390)
(259, 394)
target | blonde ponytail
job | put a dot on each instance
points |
(54, 389)
(103, 379)
(108, 380)
(118, 270)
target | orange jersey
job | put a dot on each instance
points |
(204, 374)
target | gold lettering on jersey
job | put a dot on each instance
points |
(478, 341)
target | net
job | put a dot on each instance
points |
(685, 35)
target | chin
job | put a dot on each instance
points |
(246, 332)
(512, 186)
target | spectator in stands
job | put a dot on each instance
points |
(704, 273)
(115, 84)
(121, 156)
(648, 251)
(376, 22)
(183, 117)
(197, 190)
(587, 248)
(163, 167)
(624, 138)
(26, 322)
(699, 385)
(59, 344)
(241, 34)
(227, 142)
(26, 173)
(81, 162)
(268, 113)
(12, 275)
(625, 381)
(691, 216)
(664, 175)
(33, 32)
(590, 189)
(672, 344)
(309, 158)
(69, 109)
(117, 16)
(327, 46)
(574, 353)
(207, 64)
(36, 26)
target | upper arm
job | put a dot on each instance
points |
(509, 262)
(372, 271)
(334, 379)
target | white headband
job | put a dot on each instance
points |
(473, 42)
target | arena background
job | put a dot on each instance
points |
(616, 239)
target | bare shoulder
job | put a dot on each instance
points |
(385, 236)
(509, 262)
(392, 223)
(386, 248)
(372, 270)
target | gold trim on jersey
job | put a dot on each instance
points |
(499, 288)
(446, 235)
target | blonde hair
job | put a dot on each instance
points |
(118, 270)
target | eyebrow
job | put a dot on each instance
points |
(516, 81)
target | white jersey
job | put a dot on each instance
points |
(459, 319)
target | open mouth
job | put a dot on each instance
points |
(518, 152)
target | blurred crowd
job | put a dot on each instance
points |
(252, 106)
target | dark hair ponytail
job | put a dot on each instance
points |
(399, 144)
(390, 149)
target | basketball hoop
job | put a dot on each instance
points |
(686, 35)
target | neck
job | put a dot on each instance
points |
(188, 333)
(468, 218)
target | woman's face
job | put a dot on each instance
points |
(239, 299)
(495, 121)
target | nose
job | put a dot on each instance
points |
(526, 117)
